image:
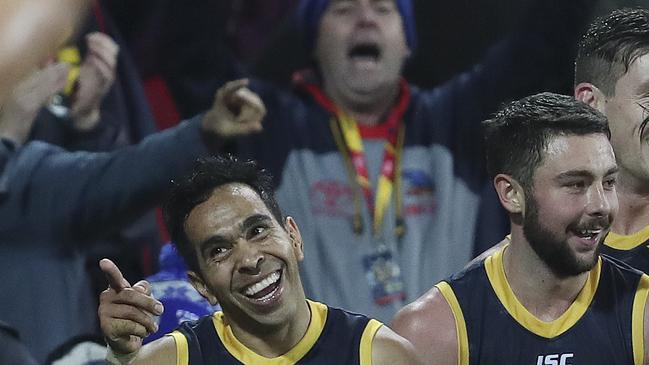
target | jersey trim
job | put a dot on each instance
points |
(460, 324)
(247, 356)
(496, 274)
(626, 243)
(367, 337)
(182, 348)
(637, 320)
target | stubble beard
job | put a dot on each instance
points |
(555, 253)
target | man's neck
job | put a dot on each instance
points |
(633, 214)
(277, 341)
(371, 110)
(543, 293)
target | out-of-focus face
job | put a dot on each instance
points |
(248, 261)
(573, 203)
(360, 48)
(626, 110)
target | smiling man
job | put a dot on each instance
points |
(547, 297)
(243, 255)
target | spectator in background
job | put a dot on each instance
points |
(105, 109)
(25, 43)
(54, 203)
(108, 93)
(95, 78)
(352, 118)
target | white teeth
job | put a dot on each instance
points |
(589, 232)
(256, 288)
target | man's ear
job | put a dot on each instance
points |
(198, 283)
(510, 193)
(590, 94)
(296, 238)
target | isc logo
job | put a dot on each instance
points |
(554, 359)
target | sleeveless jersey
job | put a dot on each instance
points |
(334, 336)
(604, 325)
(632, 249)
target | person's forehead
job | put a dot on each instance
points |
(590, 151)
(637, 76)
(229, 203)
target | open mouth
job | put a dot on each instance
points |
(265, 289)
(368, 52)
(589, 234)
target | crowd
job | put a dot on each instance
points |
(293, 209)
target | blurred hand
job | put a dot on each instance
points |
(96, 76)
(236, 111)
(23, 104)
(125, 312)
(30, 30)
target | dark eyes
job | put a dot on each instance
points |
(259, 231)
(218, 253)
(577, 185)
(610, 183)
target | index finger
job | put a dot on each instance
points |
(113, 275)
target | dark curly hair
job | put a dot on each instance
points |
(208, 174)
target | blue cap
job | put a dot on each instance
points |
(309, 13)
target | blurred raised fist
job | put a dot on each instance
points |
(236, 111)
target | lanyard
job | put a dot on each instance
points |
(349, 141)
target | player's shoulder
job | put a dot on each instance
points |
(390, 348)
(429, 324)
(416, 316)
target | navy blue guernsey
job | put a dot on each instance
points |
(334, 336)
(604, 325)
(632, 249)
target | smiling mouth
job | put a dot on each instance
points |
(264, 289)
(589, 234)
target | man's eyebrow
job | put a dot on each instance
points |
(583, 173)
(574, 173)
(254, 220)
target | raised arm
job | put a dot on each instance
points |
(85, 195)
(429, 324)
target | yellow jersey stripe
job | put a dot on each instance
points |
(460, 324)
(182, 348)
(625, 243)
(637, 320)
(366, 341)
(247, 356)
(496, 274)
